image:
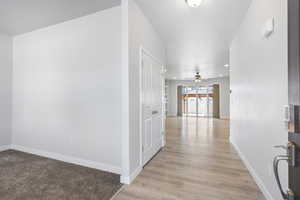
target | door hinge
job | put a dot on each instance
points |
(142, 148)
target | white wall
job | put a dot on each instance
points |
(140, 34)
(5, 89)
(67, 90)
(259, 91)
(224, 94)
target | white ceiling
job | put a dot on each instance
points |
(20, 16)
(196, 38)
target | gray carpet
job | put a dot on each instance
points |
(29, 177)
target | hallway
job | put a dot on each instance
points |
(197, 163)
(169, 100)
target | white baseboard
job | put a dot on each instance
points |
(129, 179)
(68, 159)
(253, 173)
(5, 147)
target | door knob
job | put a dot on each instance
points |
(290, 158)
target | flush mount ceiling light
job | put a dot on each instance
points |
(194, 3)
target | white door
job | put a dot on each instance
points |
(151, 107)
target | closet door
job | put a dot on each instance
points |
(151, 107)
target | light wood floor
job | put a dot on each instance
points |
(198, 163)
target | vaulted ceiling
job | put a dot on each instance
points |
(21, 16)
(197, 39)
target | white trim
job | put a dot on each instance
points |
(164, 109)
(253, 173)
(125, 135)
(141, 107)
(129, 179)
(5, 148)
(69, 159)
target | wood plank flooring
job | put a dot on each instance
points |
(198, 163)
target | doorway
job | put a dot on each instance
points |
(197, 101)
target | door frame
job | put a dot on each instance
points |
(294, 88)
(143, 51)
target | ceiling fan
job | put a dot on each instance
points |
(198, 77)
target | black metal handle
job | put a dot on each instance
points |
(276, 162)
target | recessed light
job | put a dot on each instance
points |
(220, 75)
(227, 65)
(194, 3)
(174, 77)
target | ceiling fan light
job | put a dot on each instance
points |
(194, 3)
(198, 77)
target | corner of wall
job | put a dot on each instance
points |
(129, 179)
(125, 174)
(6, 63)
